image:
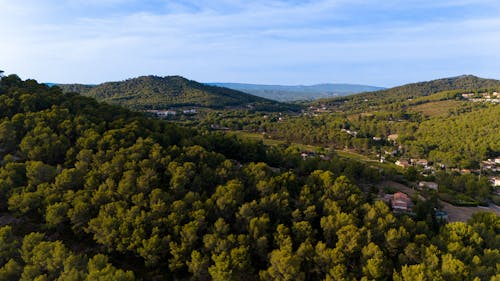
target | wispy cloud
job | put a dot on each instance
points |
(378, 42)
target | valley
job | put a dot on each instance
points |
(188, 140)
(426, 120)
(95, 191)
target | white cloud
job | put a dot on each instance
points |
(253, 41)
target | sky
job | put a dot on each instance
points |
(382, 43)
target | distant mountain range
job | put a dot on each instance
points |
(154, 92)
(299, 92)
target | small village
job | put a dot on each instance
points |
(401, 199)
(494, 97)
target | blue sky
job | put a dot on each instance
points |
(383, 43)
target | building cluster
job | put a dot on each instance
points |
(171, 112)
(492, 165)
(423, 163)
(163, 113)
(482, 97)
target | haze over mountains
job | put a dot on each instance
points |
(286, 93)
(154, 92)
(158, 92)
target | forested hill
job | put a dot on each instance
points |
(299, 92)
(411, 91)
(153, 92)
(91, 191)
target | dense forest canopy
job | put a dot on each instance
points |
(90, 191)
(466, 138)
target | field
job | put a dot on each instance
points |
(438, 108)
(266, 141)
(342, 153)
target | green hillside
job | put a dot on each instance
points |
(411, 91)
(444, 127)
(467, 138)
(153, 92)
(90, 191)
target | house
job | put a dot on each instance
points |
(429, 185)
(402, 163)
(165, 113)
(495, 181)
(350, 132)
(377, 138)
(400, 202)
(422, 162)
(488, 164)
(393, 137)
(189, 111)
(496, 160)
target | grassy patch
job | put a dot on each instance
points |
(437, 108)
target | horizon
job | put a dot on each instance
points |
(258, 84)
(381, 43)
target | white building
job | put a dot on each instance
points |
(164, 113)
(495, 181)
(429, 185)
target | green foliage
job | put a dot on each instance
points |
(416, 90)
(152, 92)
(465, 139)
(94, 192)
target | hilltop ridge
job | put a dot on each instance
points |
(155, 92)
(418, 89)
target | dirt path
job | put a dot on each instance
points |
(464, 213)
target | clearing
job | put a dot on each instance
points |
(437, 108)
